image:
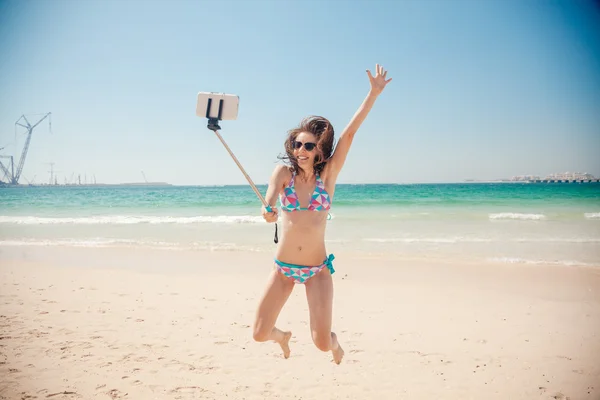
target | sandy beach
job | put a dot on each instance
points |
(106, 323)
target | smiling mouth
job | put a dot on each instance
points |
(303, 158)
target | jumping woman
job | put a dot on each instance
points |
(305, 189)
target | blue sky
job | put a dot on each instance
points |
(481, 89)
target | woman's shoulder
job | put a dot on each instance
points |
(282, 171)
(282, 168)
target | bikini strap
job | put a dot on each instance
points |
(329, 263)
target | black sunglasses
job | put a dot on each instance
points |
(309, 146)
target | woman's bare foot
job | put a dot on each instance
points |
(336, 349)
(285, 344)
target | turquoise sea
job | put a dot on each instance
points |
(506, 222)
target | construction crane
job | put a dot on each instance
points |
(7, 174)
(29, 127)
(13, 177)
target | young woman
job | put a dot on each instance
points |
(306, 190)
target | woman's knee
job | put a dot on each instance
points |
(322, 340)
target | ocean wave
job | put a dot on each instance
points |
(554, 240)
(483, 240)
(428, 240)
(518, 260)
(519, 216)
(127, 243)
(130, 220)
(595, 215)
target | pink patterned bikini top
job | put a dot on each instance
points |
(319, 200)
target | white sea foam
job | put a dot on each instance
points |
(518, 260)
(554, 240)
(519, 216)
(428, 240)
(127, 243)
(482, 240)
(129, 220)
(595, 215)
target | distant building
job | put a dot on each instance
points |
(524, 178)
(571, 176)
(558, 177)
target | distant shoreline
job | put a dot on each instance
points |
(165, 184)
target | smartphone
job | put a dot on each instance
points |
(221, 106)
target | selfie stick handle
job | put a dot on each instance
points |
(242, 169)
(213, 125)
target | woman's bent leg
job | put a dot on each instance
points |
(277, 292)
(319, 293)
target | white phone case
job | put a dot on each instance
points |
(229, 108)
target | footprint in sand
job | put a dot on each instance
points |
(115, 394)
(181, 365)
(356, 351)
(189, 389)
(560, 396)
(126, 357)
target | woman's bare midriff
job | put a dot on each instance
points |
(302, 239)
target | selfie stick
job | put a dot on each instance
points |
(213, 125)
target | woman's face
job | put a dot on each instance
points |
(304, 155)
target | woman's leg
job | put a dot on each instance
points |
(276, 294)
(319, 293)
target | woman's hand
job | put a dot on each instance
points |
(378, 81)
(270, 216)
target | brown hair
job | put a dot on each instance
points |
(323, 130)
